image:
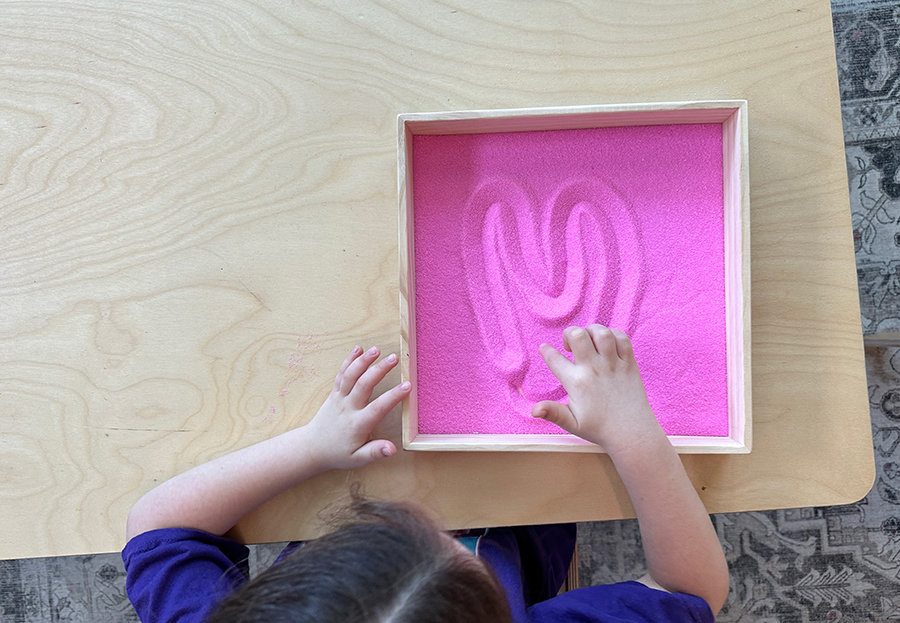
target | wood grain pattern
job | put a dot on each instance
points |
(739, 340)
(409, 420)
(198, 218)
(568, 117)
(684, 444)
(732, 115)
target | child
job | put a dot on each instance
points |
(388, 562)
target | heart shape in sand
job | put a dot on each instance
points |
(544, 265)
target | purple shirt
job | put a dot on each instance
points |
(179, 574)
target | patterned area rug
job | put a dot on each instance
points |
(793, 566)
(868, 55)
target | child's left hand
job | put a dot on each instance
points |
(341, 429)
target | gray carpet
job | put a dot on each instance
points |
(793, 566)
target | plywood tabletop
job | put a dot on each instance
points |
(198, 218)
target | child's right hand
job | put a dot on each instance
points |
(607, 400)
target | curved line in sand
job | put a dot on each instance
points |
(521, 263)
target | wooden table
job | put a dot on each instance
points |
(199, 217)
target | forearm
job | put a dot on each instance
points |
(215, 495)
(680, 544)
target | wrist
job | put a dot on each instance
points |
(306, 452)
(638, 445)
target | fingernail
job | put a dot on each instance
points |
(391, 358)
(356, 349)
(373, 351)
(405, 385)
(386, 451)
(541, 413)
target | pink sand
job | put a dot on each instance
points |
(518, 235)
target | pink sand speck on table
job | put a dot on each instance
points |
(519, 235)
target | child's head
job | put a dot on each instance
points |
(385, 562)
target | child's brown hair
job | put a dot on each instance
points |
(385, 563)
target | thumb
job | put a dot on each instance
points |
(557, 413)
(374, 450)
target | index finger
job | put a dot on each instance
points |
(381, 406)
(558, 364)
